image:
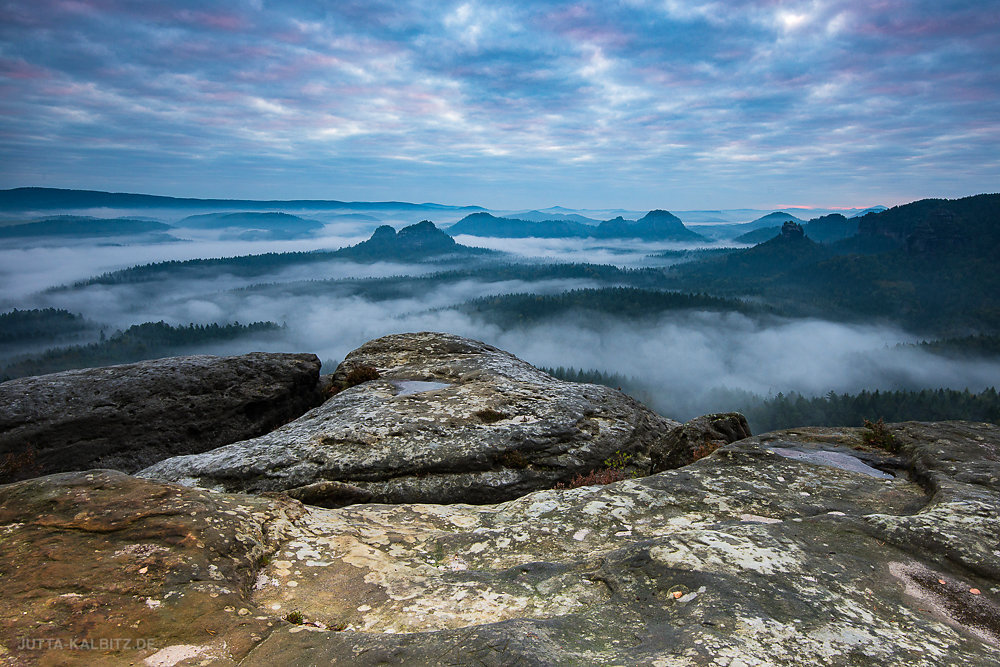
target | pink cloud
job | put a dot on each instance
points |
(19, 69)
(216, 20)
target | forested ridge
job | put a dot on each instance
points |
(137, 343)
(768, 413)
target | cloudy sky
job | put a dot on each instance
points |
(672, 103)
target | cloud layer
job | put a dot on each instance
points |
(672, 103)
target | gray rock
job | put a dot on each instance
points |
(745, 557)
(127, 417)
(448, 419)
(698, 438)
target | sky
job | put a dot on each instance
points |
(671, 104)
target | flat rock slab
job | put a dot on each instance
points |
(127, 417)
(744, 557)
(447, 420)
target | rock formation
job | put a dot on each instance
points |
(448, 420)
(127, 417)
(793, 547)
(803, 546)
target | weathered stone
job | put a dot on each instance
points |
(698, 438)
(745, 557)
(96, 556)
(448, 419)
(127, 417)
(753, 555)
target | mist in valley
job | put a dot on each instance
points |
(686, 362)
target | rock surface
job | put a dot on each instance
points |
(753, 555)
(99, 555)
(127, 417)
(448, 420)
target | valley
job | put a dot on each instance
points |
(783, 309)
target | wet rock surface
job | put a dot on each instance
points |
(744, 557)
(446, 419)
(127, 417)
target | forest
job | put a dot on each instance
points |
(150, 340)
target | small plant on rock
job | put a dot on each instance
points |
(704, 449)
(877, 434)
(514, 459)
(18, 466)
(594, 477)
(618, 461)
(490, 416)
(295, 617)
(360, 374)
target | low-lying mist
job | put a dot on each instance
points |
(681, 358)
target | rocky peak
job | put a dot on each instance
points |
(662, 218)
(792, 231)
(424, 233)
(415, 241)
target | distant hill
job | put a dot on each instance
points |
(825, 229)
(39, 199)
(654, 226)
(86, 227)
(255, 226)
(930, 265)
(485, 224)
(938, 225)
(786, 253)
(539, 216)
(775, 219)
(420, 242)
(415, 242)
(870, 209)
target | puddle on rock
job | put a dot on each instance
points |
(825, 457)
(407, 387)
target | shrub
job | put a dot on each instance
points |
(704, 449)
(18, 466)
(360, 374)
(513, 459)
(877, 434)
(490, 416)
(602, 476)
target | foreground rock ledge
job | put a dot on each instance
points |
(129, 416)
(448, 420)
(753, 555)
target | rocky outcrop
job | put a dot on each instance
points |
(792, 230)
(414, 242)
(448, 419)
(127, 417)
(698, 438)
(793, 547)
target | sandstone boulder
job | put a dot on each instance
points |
(127, 417)
(445, 419)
